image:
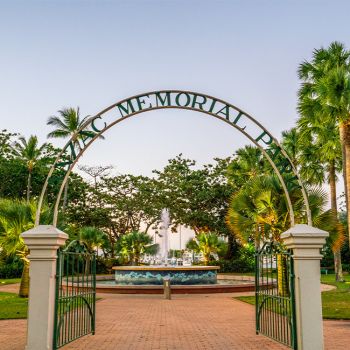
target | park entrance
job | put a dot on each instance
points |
(75, 277)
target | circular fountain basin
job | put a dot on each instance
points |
(154, 275)
(225, 284)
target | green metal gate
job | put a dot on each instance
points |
(274, 294)
(75, 297)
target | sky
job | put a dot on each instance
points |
(91, 54)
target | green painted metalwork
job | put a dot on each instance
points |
(95, 126)
(274, 294)
(75, 296)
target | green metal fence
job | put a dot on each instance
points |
(75, 297)
(274, 294)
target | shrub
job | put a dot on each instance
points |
(11, 268)
(104, 266)
(244, 262)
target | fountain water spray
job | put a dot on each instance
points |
(165, 222)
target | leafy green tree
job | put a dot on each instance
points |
(30, 152)
(208, 244)
(196, 198)
(118, 205)
(6, 141)
(132, 246)
(17, 217)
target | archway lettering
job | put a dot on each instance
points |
(95, 126)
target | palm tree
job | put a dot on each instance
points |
(133, 245)
(208, 244)
(16, 217)
(290, 143)
(248, 163)
(92, 237)
(325, 93)
(67, 124)
(31, 154)
(322, 150)
(259, 210)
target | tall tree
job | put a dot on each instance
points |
(67, 124)
(325, 93)
(321, 150)
(31, 153)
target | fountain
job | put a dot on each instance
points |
(164, 246)
(185, 274)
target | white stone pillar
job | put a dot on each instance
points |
(306, 242)
(43, 242)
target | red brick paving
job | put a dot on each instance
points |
(187, 322)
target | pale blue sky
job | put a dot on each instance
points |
(94, 53)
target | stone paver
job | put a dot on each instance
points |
(187, 322)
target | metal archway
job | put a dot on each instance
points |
(176, 99)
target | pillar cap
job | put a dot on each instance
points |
(304, 236)
(303, 230)
(44, 235)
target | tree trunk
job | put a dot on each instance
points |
(231, 247)
(65, 195)
(345, 141)
(29, 185)
(24, 286)
(333, 191)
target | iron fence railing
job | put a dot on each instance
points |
(75, 297)
(274, 294)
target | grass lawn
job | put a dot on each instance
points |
(12, 306)
(335, 303)
(4, 281)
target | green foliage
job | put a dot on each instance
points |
(132, 246)
(10, 267)
(243, 262)
(208, 244)
(92, 237)
(197, 198)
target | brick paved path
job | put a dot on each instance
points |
(188, 322)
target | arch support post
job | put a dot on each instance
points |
(43, 242)
(305, 242)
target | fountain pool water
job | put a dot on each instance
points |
(154, 275)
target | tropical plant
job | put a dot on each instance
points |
(325, 94)
(131, 247)
(247, 163)
(17, 217)
(92, 237)
(259, 210)
(322, 160)
(208, 244)
(31, 153)
(67, 125)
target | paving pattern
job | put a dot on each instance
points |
(187, 322)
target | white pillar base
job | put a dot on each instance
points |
(43, 242)
(306, 242)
